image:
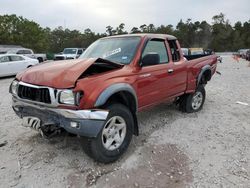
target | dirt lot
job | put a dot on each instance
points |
(205, 149)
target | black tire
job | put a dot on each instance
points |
(186, 101)
(40, 59)
(95, 147)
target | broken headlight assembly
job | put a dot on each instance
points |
(14, 87)
(69, 97)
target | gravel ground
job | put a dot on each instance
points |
(205, 149)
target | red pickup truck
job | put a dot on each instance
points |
(99, 95)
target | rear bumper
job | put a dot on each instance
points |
(89, 122)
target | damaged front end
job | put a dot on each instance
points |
(101, 66)
(46, 130)
(49, 120)
(64, 74)
(49, 110)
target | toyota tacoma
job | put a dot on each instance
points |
(99, 95)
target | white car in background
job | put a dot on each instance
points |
(11, 64)
(69, 53)
(27, 52)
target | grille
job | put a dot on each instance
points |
(34, 94)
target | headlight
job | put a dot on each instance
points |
(14, 87)
(67, 97)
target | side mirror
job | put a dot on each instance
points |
(151, 58)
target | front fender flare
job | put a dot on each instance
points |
(109, 91)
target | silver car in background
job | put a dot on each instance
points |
(69, 53)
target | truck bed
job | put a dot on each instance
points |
(191, 57)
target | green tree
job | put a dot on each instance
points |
(151, 28)
(220, 35)
(143, 28)
(165, 29)
(109, 30)
(120, 29)
(18, 30)
(135, 30)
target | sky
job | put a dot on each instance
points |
(97, 14)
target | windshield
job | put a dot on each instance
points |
(69, 51)
(120, 50)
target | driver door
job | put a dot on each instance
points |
(152, 81)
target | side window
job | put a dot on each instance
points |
(157, 46)
(4, 59)
(27, 52)
(20, 52)
(16, 58)
(174, 50)
(79, 52)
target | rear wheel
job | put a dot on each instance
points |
(193, 102)
(115, 136)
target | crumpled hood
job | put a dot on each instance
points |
(58, 74)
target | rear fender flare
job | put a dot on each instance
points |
(203, 70)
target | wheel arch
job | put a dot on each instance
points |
(122, 93)
(205, 75)
(40, 59)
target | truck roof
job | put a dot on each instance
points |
(148, 35)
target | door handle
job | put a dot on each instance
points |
(170, 71)
(145, 75)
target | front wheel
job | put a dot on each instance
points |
(115, 136)
(193, 102)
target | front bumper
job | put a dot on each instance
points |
(89, 122)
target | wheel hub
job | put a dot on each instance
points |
(113, 133)
(197, 100)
